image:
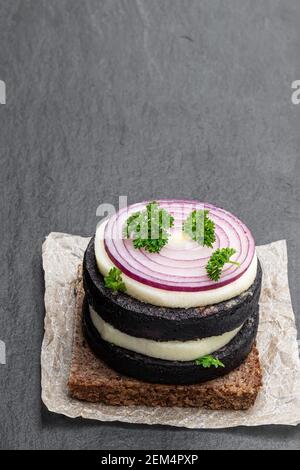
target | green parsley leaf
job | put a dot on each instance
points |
(208, 361)
(149, 229)
(113, 280)
(200, 227)
(217, 260)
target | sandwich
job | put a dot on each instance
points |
(169, 309)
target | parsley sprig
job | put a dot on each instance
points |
(217, 260)
(149, 229)
(200, 227)
(209, 361)
(113, 280)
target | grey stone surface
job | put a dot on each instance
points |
(152, 99)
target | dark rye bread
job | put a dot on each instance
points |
(92, 380)
(157, 371)
(149, 321)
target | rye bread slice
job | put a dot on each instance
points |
(92, 380)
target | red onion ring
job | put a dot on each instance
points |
(174, 268)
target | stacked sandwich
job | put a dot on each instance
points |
(171, 292)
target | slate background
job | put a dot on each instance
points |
(152, 99)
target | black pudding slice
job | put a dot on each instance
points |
(144, 320)
(160, 371)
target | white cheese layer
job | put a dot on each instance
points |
(173, 299)
(167, 350)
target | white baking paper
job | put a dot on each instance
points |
(279, 399)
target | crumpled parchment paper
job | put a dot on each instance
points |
(277, 403)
